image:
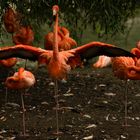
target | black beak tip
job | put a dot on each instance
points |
(54, 18)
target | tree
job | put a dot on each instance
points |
(105, 16)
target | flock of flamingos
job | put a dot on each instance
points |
(60, 55)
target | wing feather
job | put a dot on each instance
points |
(94, 49)
(21, 51)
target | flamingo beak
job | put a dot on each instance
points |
(54, 12)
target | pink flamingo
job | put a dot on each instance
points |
(21, 80)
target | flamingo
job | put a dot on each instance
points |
(129, 67)
(11, 21)
(126, 68)
(8, 63)
(20, 34)
(24, 35)
(103, 61)
(58, 62)
(123, 68)
(62, 59)
(21, 80)
(65, 42)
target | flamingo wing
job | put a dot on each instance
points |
(21, 51)
(94, 49)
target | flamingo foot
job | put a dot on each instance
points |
(24, 135)
(126, 123)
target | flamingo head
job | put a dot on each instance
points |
(55, 9)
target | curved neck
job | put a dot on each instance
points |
(65, 31)
(136, 73)
(20, 72)
(61, 34)
(55, 45)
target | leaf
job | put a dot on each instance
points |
(12, 104)
(88, 137)
(91, 126)
(110, 94)
(68, 94)
(102, 85)
(86, 116)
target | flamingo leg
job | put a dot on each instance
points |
(23, 114)
(6, 95)
(57, 108)
(126, 104)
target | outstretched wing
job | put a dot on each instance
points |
(21, 51)
(94, 49)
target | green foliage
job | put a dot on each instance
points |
(105, 16)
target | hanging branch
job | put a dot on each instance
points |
(109, 16)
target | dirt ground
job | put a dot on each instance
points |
(92, 108)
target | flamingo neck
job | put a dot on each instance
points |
(65, 31)
(20, 73)
(135, 75)
(55, 45)
(61, 34)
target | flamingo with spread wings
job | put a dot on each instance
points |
(58, 62)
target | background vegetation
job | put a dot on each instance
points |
(113, 21)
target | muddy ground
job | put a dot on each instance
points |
(92, 104)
